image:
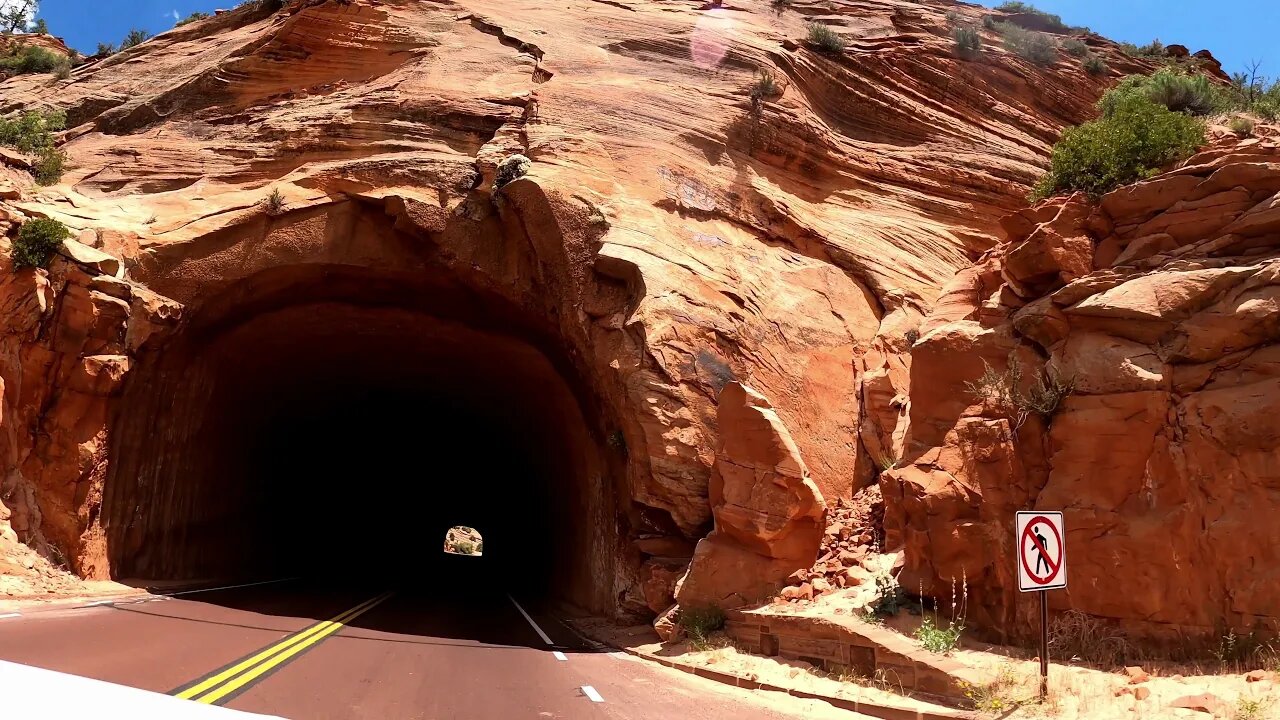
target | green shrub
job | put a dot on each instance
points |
(1095, 65)
(937, 639)
(1029, 45)
(49, 166)
(1175, 90)
(37, 242)
(700, 622)
(989, 22)
(968, 41)
(31, 131)
(31, 59)
(134, 38)
(1241, 126)
(192, 18)
(275, 202)
(764, 87)
(888, 598)
(1267, 108)
(105, 49)
(1054, 22)
(1155, 48)
(511, 169)
(1133, 142)
(1076, 47)
(825, 39)
(63, 71)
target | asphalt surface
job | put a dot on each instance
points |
(304, 650)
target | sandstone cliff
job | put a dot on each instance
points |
(672, 238)
(1157, 308)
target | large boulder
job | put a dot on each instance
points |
(769, 516)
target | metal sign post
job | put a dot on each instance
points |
(1042, 566)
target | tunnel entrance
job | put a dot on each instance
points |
(335, 422)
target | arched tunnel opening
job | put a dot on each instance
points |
(328, 421)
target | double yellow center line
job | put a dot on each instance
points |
(242, 673)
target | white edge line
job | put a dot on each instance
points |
(557, 654)
(541, 634)
(100, 603)
(591, 694)
(226, 587)
(10, 615)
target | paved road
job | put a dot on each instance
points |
(298, 650)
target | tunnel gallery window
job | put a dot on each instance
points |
(462, 540)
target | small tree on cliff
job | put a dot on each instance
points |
(16, 15)
(37, 242)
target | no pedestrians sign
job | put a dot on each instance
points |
(1042, 551)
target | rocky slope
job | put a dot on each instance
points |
(1157, 307)
(672, 239)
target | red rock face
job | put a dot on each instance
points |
(769, 516)
(1159, 303)
(671, 238)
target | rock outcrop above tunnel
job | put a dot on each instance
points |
(1156, 311)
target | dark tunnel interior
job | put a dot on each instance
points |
(338, 426)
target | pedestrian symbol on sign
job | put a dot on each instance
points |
(1040, 543)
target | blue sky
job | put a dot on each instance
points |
(85, 23)
(1236, 32)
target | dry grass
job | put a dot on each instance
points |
(1076, 636)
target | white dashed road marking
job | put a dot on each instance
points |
(10, 615)
(591, 694)
(536, 629)
(559, 656)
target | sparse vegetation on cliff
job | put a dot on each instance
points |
(32, 133)
(274, 202)
(1051, 22)
(1133, 140)
(968, 40)
(192, 18)
(1075, 46)
(1035, 47)
(1006, 392)
(1176, 90)
(134, 38)
(37, 242)
(1153, 49)
(1094, 65)
(824, 39)
(31, 59)
(764, 87)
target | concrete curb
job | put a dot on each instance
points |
(886, 712)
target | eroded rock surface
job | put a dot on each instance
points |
(672, 238)
(1159, 304)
